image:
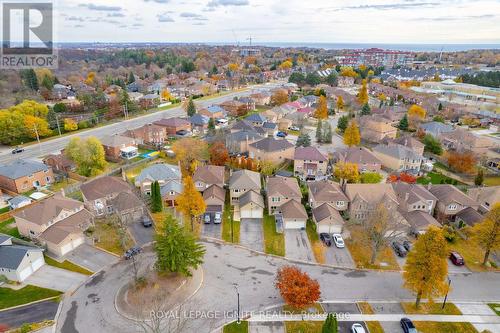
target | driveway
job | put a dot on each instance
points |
(141, 234)
(33, 313)
(343, 308)
(266, 327)
(338, 257)
(211, 230)
(388, 308)
(91, 258)
(56, 278)
(252, 234)
(297, 245)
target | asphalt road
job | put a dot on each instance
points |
(33, 313)
(254, 275)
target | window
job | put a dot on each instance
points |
(32, 232)
(236, 190)
(110, 209)
(452, 207)
(172, 193)
(340, 203)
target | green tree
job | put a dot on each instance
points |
(403, 123)
(332, 79)
(156, 200)
(438, 118)
(478, 181)
(177, 250)
(211, 126)
(297, 78)
(440, 107)
(87, 154)
(304, 140)
(313, 79)
(343, 123)
(131, 78)
(30, 79)
(319, 131)
(60, 108)
(47, 82)
(371, 178)
(432, 145)
(191, 108)
(330, 325)
(327, 133)
(366, 110)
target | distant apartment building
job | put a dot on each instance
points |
(375, 57)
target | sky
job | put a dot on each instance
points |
(234, 21)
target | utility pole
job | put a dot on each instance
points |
(447, 291)
(58, 127)
(238, 296)
(38, 138)
(125, 110)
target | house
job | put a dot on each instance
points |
(242, 181)
(59, 163)
(463, 140)
(450, 201)
(234, 108)
(149, 134)
(173, 125)
(248, 102)
(199, 123)
(239, 142)
(327, 219)
(364, 199)
(108, 195)
(19, 201)
(242, 125)
(261, 98)
(310, 164)
(435, 128)
(271, 115)
(284, 124)
(419, 221)
(57, 223)
(270, 128)
(365, 159)
(213, 111)
(293, 215)
(215, 197)
(21, 176)
(411, 143)
(486, 197)
(374, 128)
(18, 262)
(117, 147)
(208, 175)
(468, 217)
(256, 119)
(399, 158)
(272, 150)
(280, 190)
(325, 191)
(168, 176)
(251, 206)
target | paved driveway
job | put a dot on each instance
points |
(212, 230)
(33, 313)
(297, 245)
(91, 258)
(267, 327)
(141, 234)
(388, 308)
(55, 278)
(338, 257)
(343, 308)
(252, 234)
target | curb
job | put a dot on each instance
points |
(108, 252)
(31, 303)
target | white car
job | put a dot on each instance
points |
(218, 218)
(294, 128)
(339, 241)
(357, 328)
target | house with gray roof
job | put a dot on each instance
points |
(310, 164)
(238, 142)
(256, 119)
(398, 157)
(435, 128)
(162, 173)
(450, 201)
(23, 175)
(18, 262)
(242, 181)
(273, 150)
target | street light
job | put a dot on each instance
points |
(447, 291)
(238, 321)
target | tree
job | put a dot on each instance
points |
(433, 145)
(461, 162)
(304, 140)
(177, 251)
(327, 133)
(403, 123)
(190, 202)
(218, 154)
(365, 110)
(351, 134)
(487, 233)
(166, 95)
(347, 172)
(279, 97)
(87, 154)
(343, 123)
(438, 119)
(267, 168)
(70, 125)
(371, 178)
(60, 107)
(319, 132)
(211, 126)
(340, 103)
(426, 268)
(479, 179)
(416, 114)
(330, 325)
(440, 107)
(322, 109)
(156, 200)
(297, 78)
(332, 79)
(313, 79)
(30, 79)
(363, 93)
(189, 151)
(131, 78)
(190, 108)
(296, 287)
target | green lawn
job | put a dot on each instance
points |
(274, 243)
(435, 327)
(4, 210)
(303, 326)
(436, 178)
(234, 327)
(8, 227)
(67, 265)
(10, 298)
(230, 233)
(495, 307)
(430, 308)
(56, 187)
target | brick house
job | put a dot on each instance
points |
(309, 163)
(116, 146)
(24, 175)
(374, 128)
(272, 150)
(173, 125)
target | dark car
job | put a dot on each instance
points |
(399, 249)
(282, 134)
(17, 150)
(326, 238)
(456, 259)
(182, 133)
(407, 245)
(407, 326)
(147, 223)
(132, 252)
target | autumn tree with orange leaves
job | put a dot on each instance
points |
(296, 287)
(280, 97)
(462, 162)
(218, 154)
(322, 109)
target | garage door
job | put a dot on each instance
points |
(37, 264)
(66, 248)
(256, 213)
(25, 273)
(294, 224)
(330, 229)
(77, 242)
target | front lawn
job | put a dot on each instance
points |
(437, 178)
(492, 180)
(314, 308)
(373, 326)
(303, 326)
(495, 307)
(316, 244)
(110, 238)
(434, 327)
(8, 227)
(472, 254)
(28, 294)
(430, 308)
(234, 327)
(274, 243)
(4, 210)
(230, 233)
(67, 265)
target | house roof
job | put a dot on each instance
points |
(448, 193)
(243, 125)
(171, 186)
(371, 193)
(214, 191)
(116, 140)
(490, 195)
(159, 171)
(11, 256)
(327, 214)
(470, 216)
(412, 193)
(21, 168)
(285, 186)
(103, 186)
(199, 119)
(256, 117)
(271, 145)
(436, 128)
(357, 155)
(46, 210)
(245, 179)
(172, 122)
(215, 109)
(269, 125)
(293, 209)
(398, 151)
(75, 223)
(419, 220)
(18, 200)
(126, 200)
(209, 174)
(326, 191)
(409, 142)
(309, 153)
(60, 159)
(251, 196)
(244, 135)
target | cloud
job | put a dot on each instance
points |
(193, 16)
(117, 14)
(217, 3)
(392, 6)
(158, 1)
(454, 18)
(75, 18)
(164, 18)
(102, 8)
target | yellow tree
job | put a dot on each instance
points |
(417, 111)
(166, 95)
(348, 71)
(287, 64)
(487, 233)
(382, 97)
(188, 152)
(279, 97)
(351, 134)
(233, 67)
(190, 202)
(347, 172)
(70, 125)
(340, 103)
(363, 93)
(426, 268)
(322, 109)
(36, 126)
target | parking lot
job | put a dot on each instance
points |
(252, 234)
(297, 245)
(338, 257)
(90, 257)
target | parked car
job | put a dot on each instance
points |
(183, 133)
(357, 328)
(294, 128)
(407, 325)
(147, 223)
(17, 150)
(326, 239)
(456, 259)
(132, 252)
(399, 249)
(207, 219)
(407, 245)
(339, 241)
(218, 218)
(282, 134)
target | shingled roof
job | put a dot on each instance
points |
(309, 153)
(271, 145)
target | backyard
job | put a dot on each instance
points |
(8, 227)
